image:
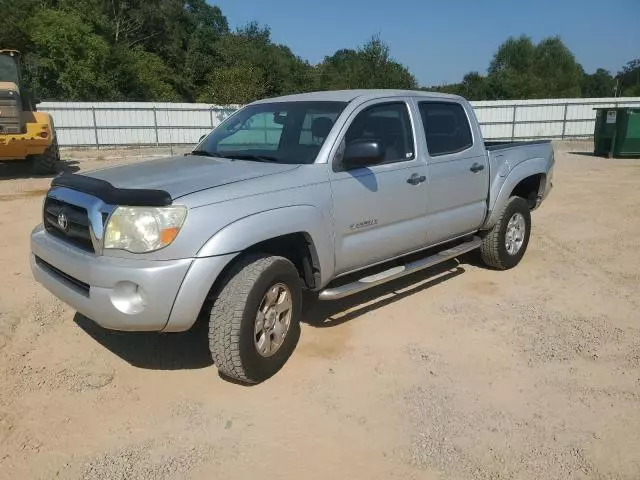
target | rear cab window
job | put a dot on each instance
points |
(446, 127)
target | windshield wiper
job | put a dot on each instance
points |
(259, 158)
(251, 157)
(204, 153)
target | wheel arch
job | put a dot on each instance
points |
(298, 232)
(530, 188)
(526, 180)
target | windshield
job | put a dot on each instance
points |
(8, 69)
(282, 132)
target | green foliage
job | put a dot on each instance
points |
(559, 74)
(250, 66)
(520, 69)
(144, 75)
(629, 79)
(633, 91)
(234, 85)
(114, 49)
(183, 50)
(371, 66)
(474, 85)
(599, 84)
(71, 61)
(515, 55)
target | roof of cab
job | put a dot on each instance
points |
(349, 95)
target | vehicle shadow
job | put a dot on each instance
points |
(325, 314)
(21, 170)
(474, 259)
(190, 350)
(154, 351)
(582, 154)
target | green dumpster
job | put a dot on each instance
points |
(617, 132)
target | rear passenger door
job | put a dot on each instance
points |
(458, 170)
(379, 210)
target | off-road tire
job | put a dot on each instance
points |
(493, 250)
(47, 163)
(233, 314)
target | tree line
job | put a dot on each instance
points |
(184, 50)
(521, 69)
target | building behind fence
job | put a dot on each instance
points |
(103, 124)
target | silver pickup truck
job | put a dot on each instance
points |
(326, 191)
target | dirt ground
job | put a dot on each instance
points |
(456, 373)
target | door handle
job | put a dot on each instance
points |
(476, 167)
(415, 179)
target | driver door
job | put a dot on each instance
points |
(379, 210)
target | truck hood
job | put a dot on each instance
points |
(183, 175)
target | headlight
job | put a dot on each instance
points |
(143, 229)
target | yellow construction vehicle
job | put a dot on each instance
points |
(25, 134)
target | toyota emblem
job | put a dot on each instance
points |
(63, 221)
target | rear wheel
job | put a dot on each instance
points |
(504, 245)
(254, 321)
(47, 163)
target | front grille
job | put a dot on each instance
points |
(10, 114)
(74, 282)
(76, 228)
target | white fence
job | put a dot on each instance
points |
(118, 124)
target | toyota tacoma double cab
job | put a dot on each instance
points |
(331, 192)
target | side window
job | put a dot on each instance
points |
(446, 127)
(259, 132)
(388, 123)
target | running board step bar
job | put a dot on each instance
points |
(335, 293)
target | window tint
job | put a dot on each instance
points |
(286, 132)
(388, 123)
(316, 126)
(259, 131)
(446, 127)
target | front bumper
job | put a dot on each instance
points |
(124, 294)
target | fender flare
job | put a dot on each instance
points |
(534, 166)
(267, 224)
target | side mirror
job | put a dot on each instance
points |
(201, 138)
(361, 153)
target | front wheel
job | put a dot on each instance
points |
(504, 245)
(254, 321)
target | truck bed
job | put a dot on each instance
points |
(501, 145)
(527, 157)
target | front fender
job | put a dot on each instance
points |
(534, 166)
(265, 225)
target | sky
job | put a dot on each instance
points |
(439, 41)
